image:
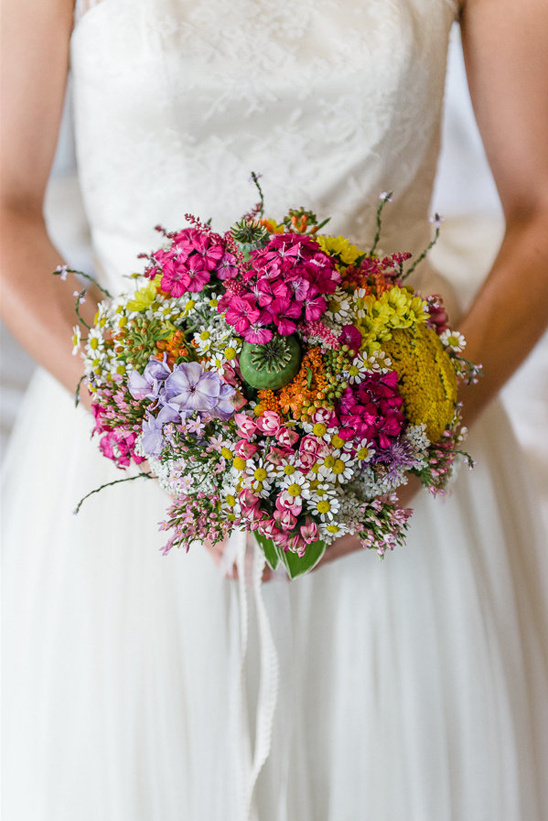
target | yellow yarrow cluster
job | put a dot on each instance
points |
(426, 378)
(340, 247)
(379, 316)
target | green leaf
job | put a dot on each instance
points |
(270, 551)
(299, 565)
(295, 565)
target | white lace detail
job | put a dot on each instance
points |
(177, 101)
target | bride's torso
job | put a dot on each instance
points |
(332, 101)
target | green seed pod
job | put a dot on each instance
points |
(272, 365)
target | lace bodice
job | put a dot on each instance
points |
(332, 102)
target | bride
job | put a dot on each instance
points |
(139, 687)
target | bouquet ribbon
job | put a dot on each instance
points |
(250, 561)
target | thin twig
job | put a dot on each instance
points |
(109, 484)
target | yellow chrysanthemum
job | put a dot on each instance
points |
(427, 379)
(341, 247)
(143, 298)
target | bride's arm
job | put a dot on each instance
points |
(506, 50)
(36, 306)
(505, 47)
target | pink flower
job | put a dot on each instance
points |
(287, 502)
(281, 538)
(238, 400)
(311, 446)
(241, 313)
(175, 280)
(285, 519)
(246, 425)
(309, 531)
(282, 312)
(269, 528)
(297, 545)
(287, 437)
(248, 499)
(245, 449)
(269, 423)
(277, 455)
(198, 274)
(258, 335)
(352, 337)
(307, 461)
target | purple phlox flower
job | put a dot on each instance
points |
(152, 440)
(150, 383)
(225, 407)
(190, 388)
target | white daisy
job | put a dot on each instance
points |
(296, 484)
(326, 508)
(339, 306)
(453, 340)
(358, 370)
(338, 467)
(257, 477)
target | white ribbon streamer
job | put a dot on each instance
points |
(250, 562)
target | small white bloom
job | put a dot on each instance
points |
(76, 339)
(358, 370)
(339, 306)
(453, 340)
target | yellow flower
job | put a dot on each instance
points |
(380, 316)
(340, 247)
(143, 298)
(426, 378)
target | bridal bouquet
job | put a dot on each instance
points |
(277, 380)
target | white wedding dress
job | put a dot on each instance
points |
(144, 688)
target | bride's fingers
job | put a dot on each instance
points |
(216, 551)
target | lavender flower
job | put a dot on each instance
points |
(149, 384)
(190, 388)
(152, 440)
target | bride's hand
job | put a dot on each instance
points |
(216, 551)
(349, 544)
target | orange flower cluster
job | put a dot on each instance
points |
(173, 346)
(308, 388)
(271, 226)
(373, 282)
(267, 401)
